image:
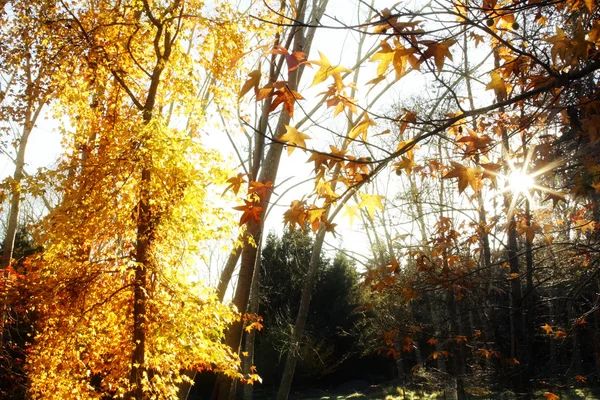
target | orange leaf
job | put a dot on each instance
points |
(550, 396)
(253, 82)
(235, 183)
(547, 328)
(251, 211)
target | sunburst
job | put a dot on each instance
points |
(521, 181)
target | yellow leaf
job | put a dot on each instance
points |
(328, 70)
(294, 139)
(371, 202)
(361, 128)
(498, 85)
(351, 212)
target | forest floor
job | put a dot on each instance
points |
(381, 392)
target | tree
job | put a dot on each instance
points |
(117, 312)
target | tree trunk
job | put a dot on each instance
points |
(294, 349)
(31, 116)
(248, 361)
(268, 173)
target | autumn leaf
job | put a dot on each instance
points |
(439, 51)
(293, 60)
(327, 70)
(498, 85)
(295, 215)
(555, 197)
(580, 378)
(399, 57)
(407, 164)
(560, 334)
(371, 202)
(550, 396)
(287, 97)
(260, 189)
(351, 212)
(253, 82)
(250, 211)
(547, 328)
(466, 176)
(432, 341)
(294, 138)
(235, 183)
(254, 325)
(361, 128)
(475, 143)
(585, 225)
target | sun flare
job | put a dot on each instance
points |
(520, 182)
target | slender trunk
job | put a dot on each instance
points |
(399, 363)
(294, 350)
(15, 200)
(248, 360)
(32, 113)
(227, 273)
(268, 173)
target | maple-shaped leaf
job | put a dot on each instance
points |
(362, 127)
(340, 103)
(585, 225)
(432, 341)
(547, 328)
(293, 60)
(407, 118)
(294, 139)
(295, 215)
(570, 50)
(235, 183)
(260, 189)
(392, 352)
(254, 325)
(491, 171)
(555, 197)
(406, 163)
(460, 339)
(321, 160)
(477, 38)
(529, 231)
(325, 191)
(498, 85)
(474, 143)
(439, 51)
(252, 82)
(287, 97)
(399, 57)
(314, 217)
(251, 211)
(560, 335)
(328, 70)
(484, 353)
(580, 378)
(371, 202)
(466, 176)
(551, 396)
(351, 212)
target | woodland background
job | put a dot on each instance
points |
(435, 164)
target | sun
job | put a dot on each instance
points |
(520, 182)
